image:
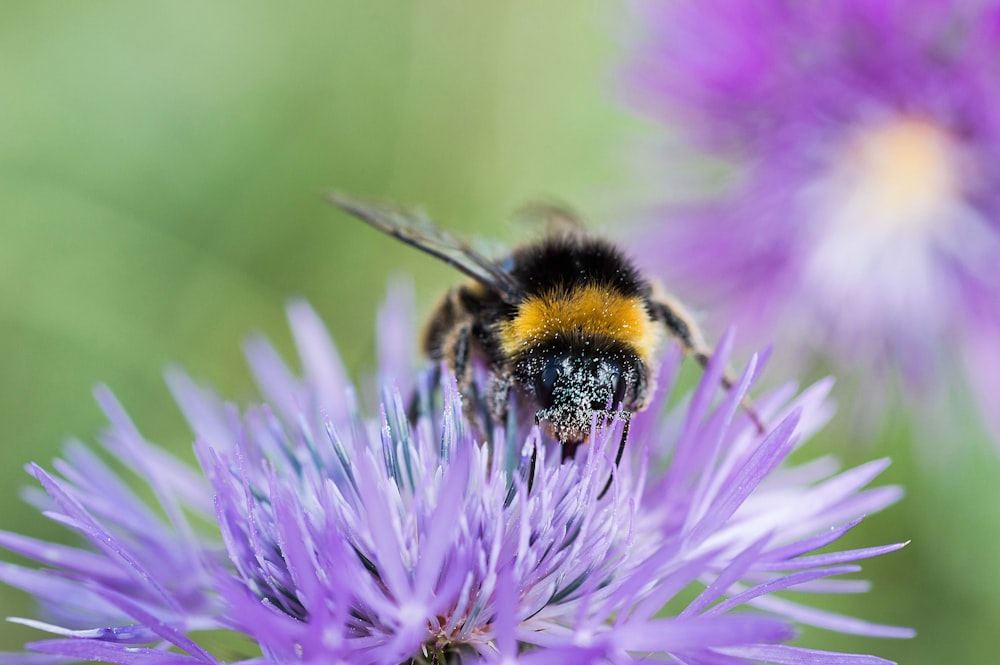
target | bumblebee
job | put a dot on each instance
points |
(568, 321)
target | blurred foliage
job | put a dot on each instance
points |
(161, 167)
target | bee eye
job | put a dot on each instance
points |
(546, 380)
(550, 375)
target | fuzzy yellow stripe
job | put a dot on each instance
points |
(583, 311)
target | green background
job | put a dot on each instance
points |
(160, 177)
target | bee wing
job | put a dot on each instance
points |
(554, 218)
(415, 229)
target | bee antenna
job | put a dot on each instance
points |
(618, 456)
(531, 468)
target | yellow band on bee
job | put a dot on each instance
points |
(589, 310)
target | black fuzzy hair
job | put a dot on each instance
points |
(566, 261)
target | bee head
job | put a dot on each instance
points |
(570, 386)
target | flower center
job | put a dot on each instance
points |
(890, 199)
(900, 175)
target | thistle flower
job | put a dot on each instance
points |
(325, 536)
(864, 217)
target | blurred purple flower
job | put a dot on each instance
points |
(328, 538)
(863, 221)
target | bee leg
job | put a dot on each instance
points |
(460, 352)
(500, 412)
(463, 370)
(679, 323)
(618, 456)
(460, 357)
(531, 468)
(421, 400)
(499, 397)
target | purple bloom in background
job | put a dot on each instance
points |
(325, 536)
(863, 219)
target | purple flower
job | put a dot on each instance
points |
(863, 216)
(325, 536)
